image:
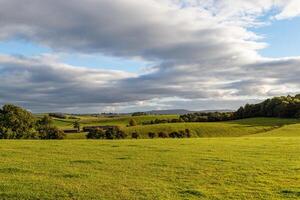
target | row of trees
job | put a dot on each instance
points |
(207, 117)
(285, 107)
(18, 123)
(162, 121)
(111, 133)
(117, 134)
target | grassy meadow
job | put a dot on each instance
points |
(203, 168)
(245, 159)
(235, 128)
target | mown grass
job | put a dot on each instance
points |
(203, 168)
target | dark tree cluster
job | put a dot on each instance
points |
(58, 115)
(138, 114)
(110, 134)
(207, 117)
(162, 121)
(284, 107)
(175, 134)
(18, 123)
(47, 131)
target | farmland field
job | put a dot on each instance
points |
(205, 129)
(206, 168)
(245, 159)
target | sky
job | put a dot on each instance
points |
(97, 56)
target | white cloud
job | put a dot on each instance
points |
(203, 49)
(290, 9)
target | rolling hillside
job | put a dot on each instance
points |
(203, 129)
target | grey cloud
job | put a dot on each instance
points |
(202, 51)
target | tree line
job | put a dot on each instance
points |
(282, 107)
(116, 133)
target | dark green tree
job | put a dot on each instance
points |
(76, 125)
(16, 122)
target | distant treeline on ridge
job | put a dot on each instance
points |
(283, 107)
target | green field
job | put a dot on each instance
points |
(206, 168)
(205, 129)
(245, 159)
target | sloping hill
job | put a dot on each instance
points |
(285, 131)
(118, 120)
(244, 127)
(217, 129)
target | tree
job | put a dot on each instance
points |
(43, 122)
(51, 133)
(188, 133)
(135, 135)
(96, 133)
(76, 125)
(152, 135)
(162, 134)
(16, 122)
(120, 134)
(132, 122)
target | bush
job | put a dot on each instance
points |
(180, 134)
(132, 122)
(51, 132)
(111, 133)
(135, 135)
(120, 134)
(188, 133)
(173, 134)
(151, 135)
(162, 135)
(96, 133)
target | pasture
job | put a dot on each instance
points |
(204, 129)
(204, 168)
(247, 159)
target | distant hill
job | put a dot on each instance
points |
(180, 111)
(169, 112)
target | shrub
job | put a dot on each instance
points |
(51, 132)
(173, 134)
(132, 122)
(152, 135)
(162, 135)
(135, 135)
(96, 133)
(188, 133)
(110, 133)
(120, 134)
(181, 134)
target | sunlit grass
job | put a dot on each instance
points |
(207, 168)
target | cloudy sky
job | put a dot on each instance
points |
(134, 55)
